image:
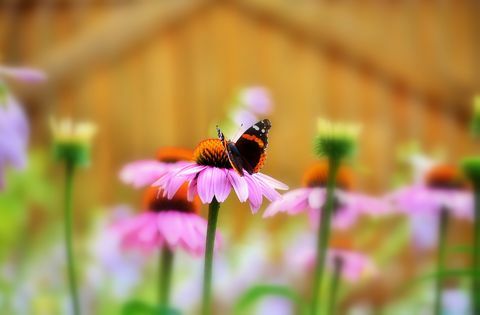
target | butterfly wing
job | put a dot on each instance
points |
(252, 145)
(236, 159)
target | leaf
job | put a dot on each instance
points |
(257, 292)
(435, 275)
(460, 249)
(142, 308)
(137, 308)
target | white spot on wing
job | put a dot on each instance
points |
(256, 127)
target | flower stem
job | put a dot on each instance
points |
(214, 207)
(166, 264)
(68, 216)
(476, 254)
(324, 233)
(337, 271)
(442, 237)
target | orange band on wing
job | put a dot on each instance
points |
(259, 141)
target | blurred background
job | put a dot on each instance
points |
(163, 73)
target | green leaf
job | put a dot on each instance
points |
(460, 249)
(142, 308)
(435, 275)
(253, 295)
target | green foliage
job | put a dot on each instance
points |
(76, 153)
(25, 191)
(249, 299)
(334, 147)
(142, 308)
(471, 168)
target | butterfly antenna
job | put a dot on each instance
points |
(220, 133)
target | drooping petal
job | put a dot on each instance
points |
(221, 184)
(142, 173)
(192, 190)
(272, 181)
(292, 203)
(317, 198)
(205, 185)
(239, 185)
(254, 193)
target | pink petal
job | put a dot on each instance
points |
(292, 202)
(317, 198)
(142, 173)
(239, 185)
(271, 181)
(221, 184)
(254, 193)
(205, 185)
(192, 190)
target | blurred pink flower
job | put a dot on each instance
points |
(442, 187)
(211, 175)
(244, 118)
(257, 99)
(144, 172)
(14, 131)
(110, 266)
(355, 265)
(348, 205)
(174, 223)
(23, 74)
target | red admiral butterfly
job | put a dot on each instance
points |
(248, 152)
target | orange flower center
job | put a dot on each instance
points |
(153, 200)
(317, 174)
(211, 152)
(173, 154)
(445, 177)
(340, 241)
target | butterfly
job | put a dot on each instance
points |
(248, 152)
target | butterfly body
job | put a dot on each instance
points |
(248, 153)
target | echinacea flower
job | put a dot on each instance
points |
(71, 145)
(336, 140)
(257, 100)
(348, 205)
(72, 141)
(14, 131)
(442, 188)
(211, 176)
(112, 267)
(173, 223)
(145, 172)
(355, 265)
(23, 74)
(442, 194)
(14, 128)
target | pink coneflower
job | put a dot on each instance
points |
(145, 172)
(217, 167)
(257, 99)
(442, 194)
(211, 176)
(173, 223)
(348, 205)
(442, 188)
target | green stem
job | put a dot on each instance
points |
(337, 271)
(324, 233)
(209, 245)
(166, 264)
(476, 254)
(68, 216)
(442, 237)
